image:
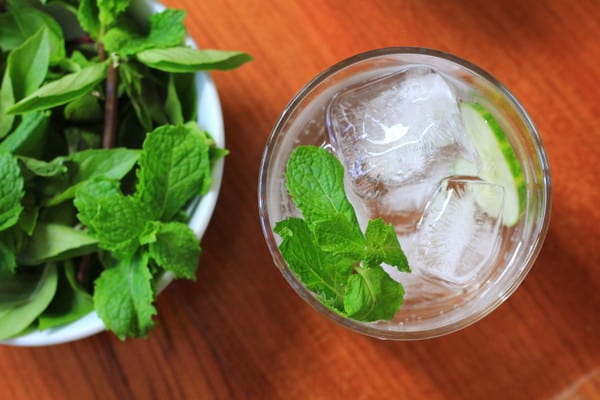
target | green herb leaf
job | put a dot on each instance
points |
(109, 10)
(173, 106)
(176, 249)
(29, 137)
(383, 246)
(11, 191)
(86, 108)
(16, 318)
(318, 271)
(54, 242)
(123, 297)
(372, 295)
(166, 30)
(339, 236)
(328, 251)
(173, 162)
(8, 263)
(69, 304)
(26, 69)
(27, 65)
(108, 163)
(30, 20)
(186, 59)
(88, 17)
(117, 221)
(43, 168)
(11, 36)
(63, 90)
(315, 179)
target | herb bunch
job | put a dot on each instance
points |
(100, 156)
(328, 251)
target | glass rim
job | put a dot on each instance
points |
(369, 329)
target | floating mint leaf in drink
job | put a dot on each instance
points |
(327, 250)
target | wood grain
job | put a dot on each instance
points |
(241, 332)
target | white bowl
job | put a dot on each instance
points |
(210, 118)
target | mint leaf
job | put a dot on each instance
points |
(109, 10)
(328, 251)
(166, 30)
(186, 59)
(339, 236)
(63, 90)
(117, 221)
(372, 295)
(315, 180)
(176, 249)
(88, 17)
(123, 296)
(383, 246)
(318, 271)
(173, 162)
(11, 191)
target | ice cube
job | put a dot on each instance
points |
(456, 241)
(395, 129)
(400, 132)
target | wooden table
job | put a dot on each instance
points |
(241, 332)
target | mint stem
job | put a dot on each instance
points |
(83, 269)
(110, 107)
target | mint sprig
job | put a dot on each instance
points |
(327, 249)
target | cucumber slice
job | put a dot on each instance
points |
(500, 163)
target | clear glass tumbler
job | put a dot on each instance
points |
(429, 309)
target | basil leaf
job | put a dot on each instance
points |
(28, 64)
(186, 59)
(29, 20)
(18, 317)
(26, 69)
(70, 303)
(29, 137)
(8, 263)
(11, 36)
(63, 90)
(109, 163)
(43, 168)
(173, 107)
(53, 242)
